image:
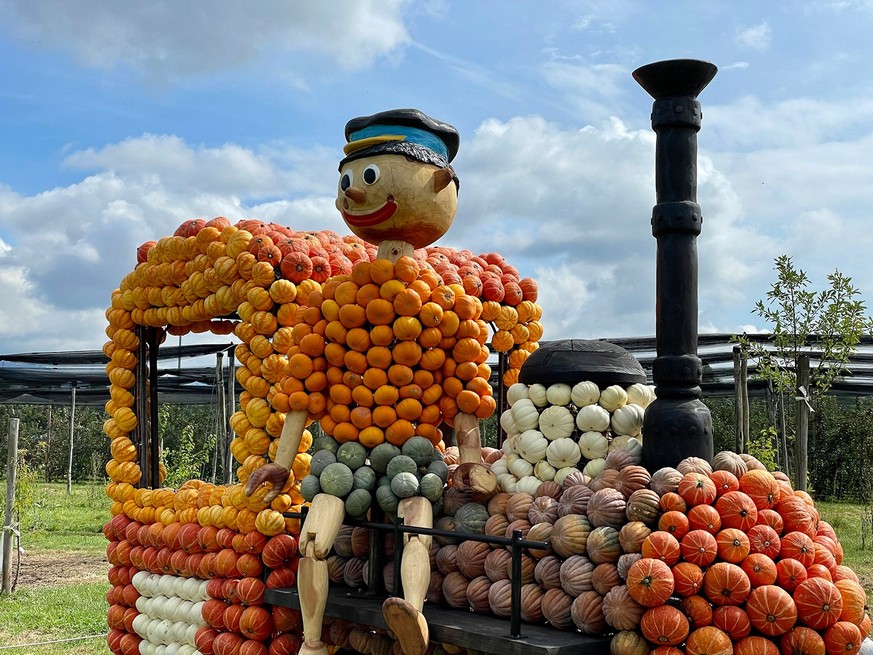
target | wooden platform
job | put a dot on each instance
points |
(481, 632)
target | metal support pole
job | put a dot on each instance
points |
(677, 424)
(153, 479)
(515, 587)
(72, 440)
(8, 519)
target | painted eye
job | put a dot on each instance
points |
(346, 180)
(371, 174)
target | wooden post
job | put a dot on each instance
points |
(783, 429)
(231, 399)
(771, 422)
(220, 436)
(744, 389)
(72, 441)
(801, 441)
(739, 435)
(11, 470)
(48, 443)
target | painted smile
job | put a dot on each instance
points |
(385, 212)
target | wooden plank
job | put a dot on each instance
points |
(481, 632)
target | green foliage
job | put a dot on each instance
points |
(762, 445)
(837, 315)
(188, 460)
(841, 449)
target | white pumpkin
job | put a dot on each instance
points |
(544, 471)
(640, 394)
(563, 452)
(584, 394)
(142, 604)
(191, 632)
(507, 422)
(532, 446)
(612, 398)
(195, 616)
(525, 414)
(595, 467)
(593, 445)
(500, 466)
(139, 580)
(192, 589)
(562, 473)
(508, 482)
(558, 394)
(509, 445)
(627, 420)
(140, 623)
(516, 392)
(631, 444)
(556, 421)
(528, 484)
(146, 647)
(537, 395)
(519, 466)
(592, 418)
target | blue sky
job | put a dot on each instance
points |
(120, 120)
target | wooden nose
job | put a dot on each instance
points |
(356, 194)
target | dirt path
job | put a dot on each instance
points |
(49, 569)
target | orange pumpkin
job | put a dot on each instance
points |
(650, 582)
(771, 610)
(664, 625)
(708, 640)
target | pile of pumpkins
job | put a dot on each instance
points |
(708, 558)
(554, 431)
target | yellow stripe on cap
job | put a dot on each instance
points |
(360, 144)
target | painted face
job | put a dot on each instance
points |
(389, 197)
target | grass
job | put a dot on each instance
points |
(57, 606)
(66, 526)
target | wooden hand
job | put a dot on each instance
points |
(275, 474)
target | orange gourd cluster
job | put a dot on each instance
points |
(388, 352)
(742, 563)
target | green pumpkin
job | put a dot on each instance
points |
(358, 502)
(381, 455)
(352, 454)
(310, 487)
(336, 479)
(419, 449)
(404, 484)
(324, 442)
(431, 487)
(386, 498)
(439, 468)
(470, 518)
(365, 478)
(319, 460)
(401, 464)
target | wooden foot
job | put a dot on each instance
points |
(408, 625)
(313, 648)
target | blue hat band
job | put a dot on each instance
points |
(412, 134)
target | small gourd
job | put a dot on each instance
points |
(613, 397)
(419, 449)
(556, 421)
(470, 518)
(593, 445)
(381, 455)
(592, 418)
(594, 467)
(558, 394)
(431, 487)
(640, 394)
(627, 420)
(585, 393)
(358, 502)
(537, 395)
(310, 487)
(525, 414)
(336, 479)
(543, 471)
(500, 467)
(562, 473)
(562, 453)
(528, 484)
(404, 484)
(507, 422)
(365, 478)
(401, 464)
(516, 392)
(320, 460)
(532, 445)
(508, 482)
(352, 454)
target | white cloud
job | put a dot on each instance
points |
(166, 38)
(756, 37)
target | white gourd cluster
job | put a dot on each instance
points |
(170, 613)
(554, 430)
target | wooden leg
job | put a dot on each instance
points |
(317, 536)
(468, 438)
(403, 615)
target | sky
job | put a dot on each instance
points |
(120, 120)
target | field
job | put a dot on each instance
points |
(59, 596)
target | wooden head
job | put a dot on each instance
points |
(396, 183)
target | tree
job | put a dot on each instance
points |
(811, 330)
